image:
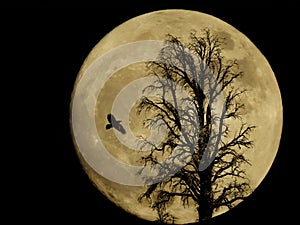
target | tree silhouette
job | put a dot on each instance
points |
(193, 67)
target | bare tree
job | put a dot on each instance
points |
(193, 67)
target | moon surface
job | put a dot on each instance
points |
(262, 102)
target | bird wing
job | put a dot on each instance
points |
(109, 117)
(108, 126)
(113, 119)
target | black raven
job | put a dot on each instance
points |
(114, 123)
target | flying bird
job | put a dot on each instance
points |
(113, 123)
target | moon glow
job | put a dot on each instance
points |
(262, 103)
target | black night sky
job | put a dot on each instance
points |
(44, 48)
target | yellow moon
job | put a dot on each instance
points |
(263, 102)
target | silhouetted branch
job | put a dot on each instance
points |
(231, 194)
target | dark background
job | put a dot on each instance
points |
(43, 49)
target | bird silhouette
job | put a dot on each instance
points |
(113, 123)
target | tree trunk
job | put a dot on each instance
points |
(205, 208)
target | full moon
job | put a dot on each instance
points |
(90, 106)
